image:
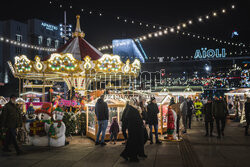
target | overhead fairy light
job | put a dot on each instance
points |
(171, 29)
(25, 45)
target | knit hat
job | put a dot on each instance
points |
(46, 108)
(152, 98)
(58, 110)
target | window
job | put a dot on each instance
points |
(18, 28)
(48, 41)
(18, 38)
(56, 43)
(40, 40)
(18, 50)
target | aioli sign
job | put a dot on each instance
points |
(205, 53)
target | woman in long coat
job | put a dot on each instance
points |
(135, 143)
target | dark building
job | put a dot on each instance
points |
(34, 32)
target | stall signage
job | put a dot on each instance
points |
(205, 53)
(49, 26)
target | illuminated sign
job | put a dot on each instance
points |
(49, 26)
(205, 53)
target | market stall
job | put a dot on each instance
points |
(116, 107)
(236, 100)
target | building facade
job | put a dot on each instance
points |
(35, 32)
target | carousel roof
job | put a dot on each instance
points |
(79, 47)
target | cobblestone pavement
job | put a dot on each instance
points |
(194, 150)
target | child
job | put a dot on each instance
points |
(114, 130)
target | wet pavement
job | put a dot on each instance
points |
(194, 150)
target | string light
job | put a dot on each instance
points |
(25, 45)
(178, 27)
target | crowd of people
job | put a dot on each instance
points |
(137, 117)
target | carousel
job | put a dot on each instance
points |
(78, 64)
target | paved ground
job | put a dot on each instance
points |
(195, 150)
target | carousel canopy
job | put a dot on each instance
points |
(79, 47)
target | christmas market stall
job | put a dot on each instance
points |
(116, 106)
(235, 100)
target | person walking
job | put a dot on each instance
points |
(198, 109)
(176, 108)
(209, 120)
(125, 123)
(102, 114)
(247, 114)
(183, 111)
(190, 106)
(153, 110)
(219, 112)
(135, 143)
(144, 115)
(11, 120)
(114, 130)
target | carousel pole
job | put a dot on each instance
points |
(19, 86)
(70, 95)
(43, 89)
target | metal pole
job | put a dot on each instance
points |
(19, 88)
(43, 96)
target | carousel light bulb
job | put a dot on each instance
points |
(100, 14)
(214, 14)
(160, 33)
(165, 31)
(200, 19)
(118, 18)
(144, 37)
(153, 26)
(190, 22)
(125, 20)
(233, 6)
(146, 25)
(132, 22)
(207, 17)
(155, 34)
(172, 30)
(140, 24)
(184, 25)
(223, 10)
(150, 35)
(178, 27)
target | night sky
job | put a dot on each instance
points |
(101, 30)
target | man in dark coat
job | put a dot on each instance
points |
(190, 106)
(102, 114)
(219, 112)
(247, 114)
(153, 119)
(11, 120)
(208, 117)
(135, 143)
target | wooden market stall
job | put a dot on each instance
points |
(116, 107)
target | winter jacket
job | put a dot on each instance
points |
(247, 112)
(183, 106)
(101, 110)
(190, 107)
(11, 116)
(176, 108)
(208, 112)
(153, 110)
(219, 109)
(114, 128)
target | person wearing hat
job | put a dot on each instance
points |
(153, 119)
(219, 110)
(208, 117)
(11, 120)
(247, 114)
